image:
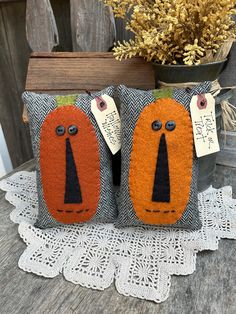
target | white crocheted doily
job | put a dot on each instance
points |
(141, 260)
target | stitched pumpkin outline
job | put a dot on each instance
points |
(84, 150)
(144, 157)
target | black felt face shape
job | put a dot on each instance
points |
(161, 162)
(70, 167)
(161, 187)
(72, 188)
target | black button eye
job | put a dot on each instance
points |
(60, 130)
(156, 125)
(170, 125)
(72, 129)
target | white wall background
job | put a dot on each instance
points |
(5, 161)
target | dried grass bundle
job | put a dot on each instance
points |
(175, 32)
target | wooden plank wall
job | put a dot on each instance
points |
(41, 28)
(76, 33)
(14, 55)
(48, 72)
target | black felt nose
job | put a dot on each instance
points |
(161, 186)
(72, 188)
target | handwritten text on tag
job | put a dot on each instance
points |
(108, 119)
(203, 116)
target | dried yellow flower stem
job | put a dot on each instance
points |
(172, 32)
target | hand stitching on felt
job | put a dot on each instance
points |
(70, 165)
(160, 211)
(161, 162)
(72, 211)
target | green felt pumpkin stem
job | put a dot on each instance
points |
(66, 100)
(163, 93)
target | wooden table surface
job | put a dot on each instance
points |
(210, 289)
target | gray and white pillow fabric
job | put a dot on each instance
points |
(159, 167)
(73, 162)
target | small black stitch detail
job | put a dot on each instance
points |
(159, 211)
(71, 211)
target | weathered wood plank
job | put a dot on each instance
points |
(1, 1)
(61, 11)
(26, 166)
(92, 25)
(41, 29)
(92, 73)
(121, 32)
(210, 289)
(63, 54)
(13, 68)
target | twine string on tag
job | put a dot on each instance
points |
(102, 102)
(89, 93)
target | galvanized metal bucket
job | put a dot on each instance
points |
(196, 73)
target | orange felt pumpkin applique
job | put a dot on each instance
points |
(159, 176)
(161, 162)
(70, 165)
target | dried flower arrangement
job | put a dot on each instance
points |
(176, 32)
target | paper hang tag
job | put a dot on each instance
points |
(203, 116)
(108, 120)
